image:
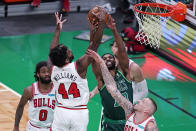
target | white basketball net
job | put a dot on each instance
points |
(150, 31)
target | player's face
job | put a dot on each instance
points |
(142, 104)
(44, 75)
(109, 61)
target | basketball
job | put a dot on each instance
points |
(92, 18)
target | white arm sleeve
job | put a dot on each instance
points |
(140, 90)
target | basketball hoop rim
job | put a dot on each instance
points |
(163, 6)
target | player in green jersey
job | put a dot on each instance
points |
(139, 117)
(129, 80)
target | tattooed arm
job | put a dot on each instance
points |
(111, 84)
(152, 126)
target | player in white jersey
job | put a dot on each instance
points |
(70, 81)
(132, 125)
(73, 90)
(41, 97)
(141, 113)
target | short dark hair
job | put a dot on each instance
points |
(155, 105)
(107, 54)
(38, 67)
(58, 55)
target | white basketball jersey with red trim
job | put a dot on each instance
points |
(132, 126)
(41, 107)
(71, 89)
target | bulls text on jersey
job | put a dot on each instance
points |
(42, 102)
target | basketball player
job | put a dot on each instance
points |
(69, 79)
(41, 97)
(129, 80)
(139, 117)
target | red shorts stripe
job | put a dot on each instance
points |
(37, 126)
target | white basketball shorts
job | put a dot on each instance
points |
(31, 127)
(69, 119)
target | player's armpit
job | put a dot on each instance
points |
(152, 126)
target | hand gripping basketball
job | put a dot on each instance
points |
(93, 13)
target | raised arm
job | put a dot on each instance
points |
(93, 28)
(95, 40)
(55, 39)
(140, 89)
(95, 67)
(121, 53)
(111, 84)
(97, 30)
(27, 95)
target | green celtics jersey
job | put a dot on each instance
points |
(111, 108)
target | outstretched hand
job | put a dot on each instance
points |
(59, 21)
(101, 14)
(111, 23)
(94, 55)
